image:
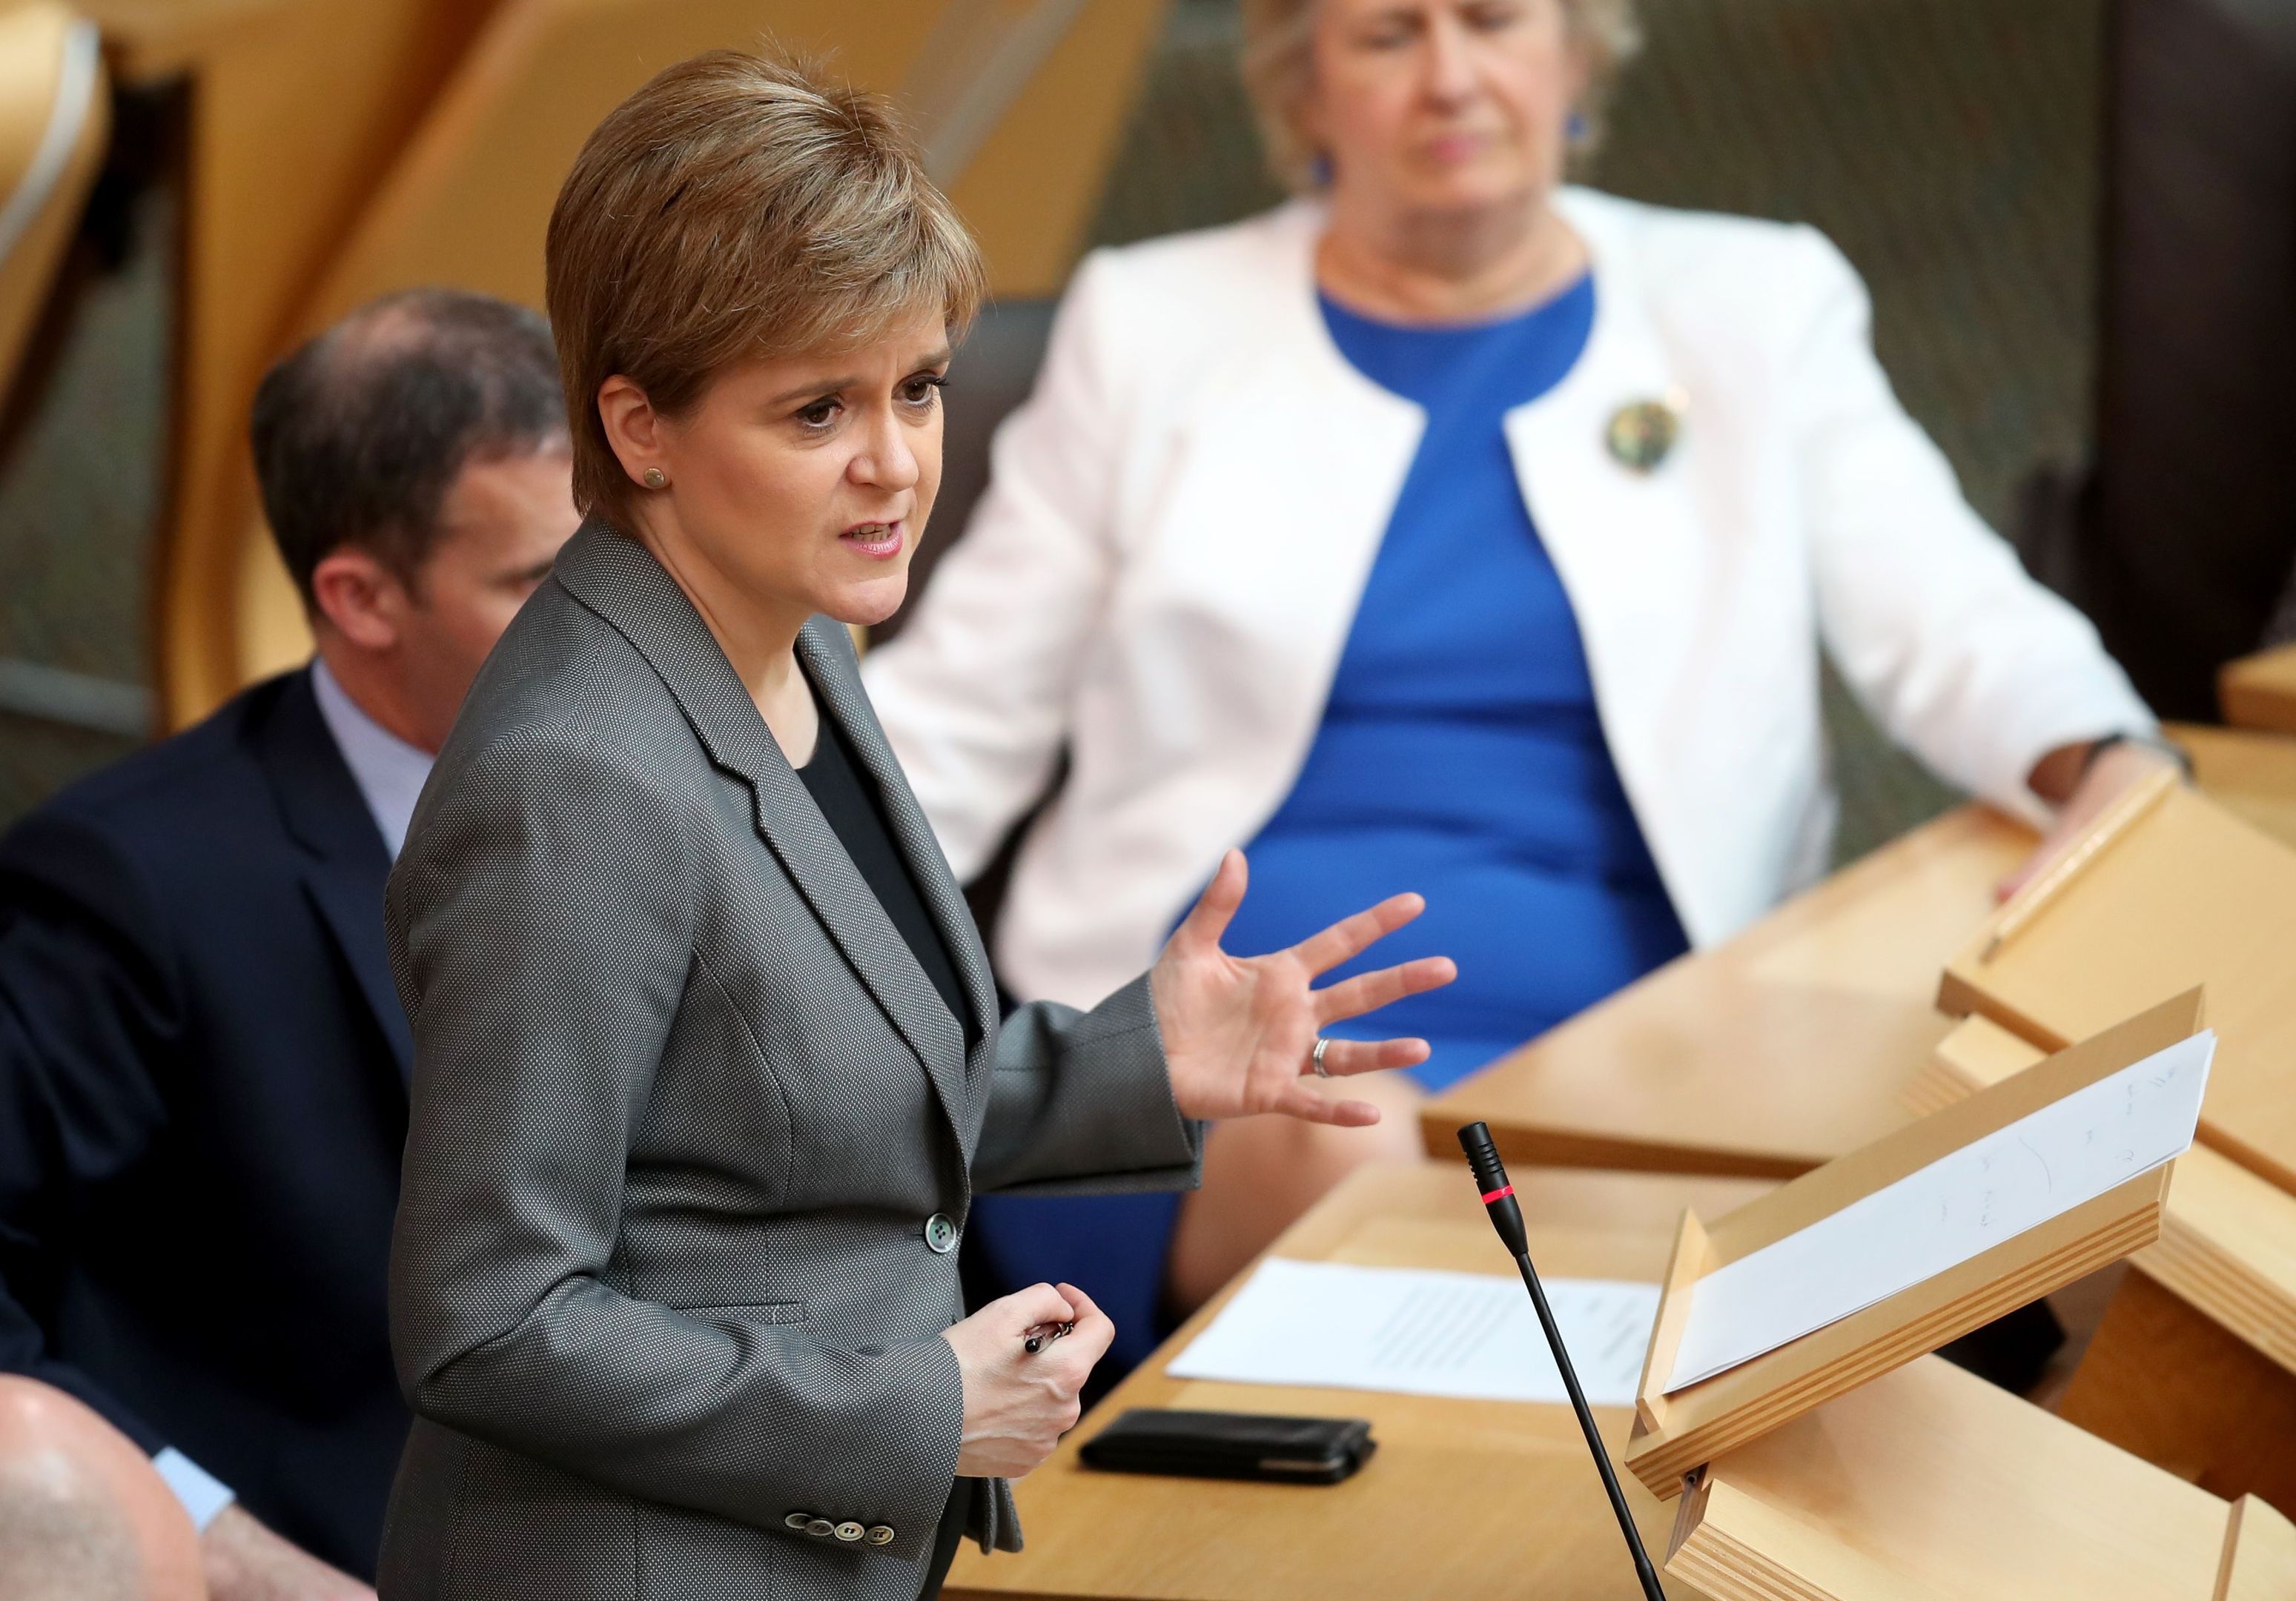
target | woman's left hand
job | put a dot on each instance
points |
(1239, 1032)
(2113, 774)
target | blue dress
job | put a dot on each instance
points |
(1460, 755)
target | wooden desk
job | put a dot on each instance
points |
(2250, 775)
(2259, 692)
(2194, 1366)
(1465, 1498)
(1932, 1485)
(1771, 1054)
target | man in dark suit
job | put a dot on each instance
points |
(202, 1059)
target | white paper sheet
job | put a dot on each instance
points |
(1960, 1206)
(1340, 1327)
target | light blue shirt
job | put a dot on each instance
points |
(391, 774)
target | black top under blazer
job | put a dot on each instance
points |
(665, 1293)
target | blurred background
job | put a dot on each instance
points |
(2078, 218)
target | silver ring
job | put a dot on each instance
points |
(1317, 1060)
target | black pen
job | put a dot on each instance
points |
(1040, 1334)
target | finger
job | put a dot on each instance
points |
(1208, 917)
(1344, 1058)
(1301, 1102)
(1351, 936)
(1023, 1310)
(1094, 1327)
(1368, 992)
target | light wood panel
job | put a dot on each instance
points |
(1464, 1499)
(297, 109)
(54, 118)
(1932, 1485)
(2259, 692)
(2261, 1562)
(2228, 1237)
(1675, 1432)
(2193, 1365)
(1769, 1054)
(2165, 1381)
(469, 201)
(2182, 894)
(2250, 775)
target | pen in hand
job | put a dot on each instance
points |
(1040, 1334)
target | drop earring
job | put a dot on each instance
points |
(1576, 129)
(655, 479)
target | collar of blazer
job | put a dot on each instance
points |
(618, 578)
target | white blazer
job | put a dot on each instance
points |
(1182, 516)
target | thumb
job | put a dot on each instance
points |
(1208, 917)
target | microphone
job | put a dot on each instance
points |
(1506, 1217)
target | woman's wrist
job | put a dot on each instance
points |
(2057, 775)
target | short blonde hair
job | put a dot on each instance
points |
(737, 207)
(1279, 73)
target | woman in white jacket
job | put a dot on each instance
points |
(1453, 530)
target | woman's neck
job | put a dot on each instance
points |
(1457, 266)
(757, 636)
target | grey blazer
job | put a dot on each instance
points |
(693, 1134)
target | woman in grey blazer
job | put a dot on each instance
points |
(708, 1058)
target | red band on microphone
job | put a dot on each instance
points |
(1498, 1195)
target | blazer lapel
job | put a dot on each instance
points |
(619, 579)
(345, 864)
(1267, 566)
(1633, 552)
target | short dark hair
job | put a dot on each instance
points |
(359, 432)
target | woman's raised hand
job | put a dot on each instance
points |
(1017, 1404)
(1239, 1032)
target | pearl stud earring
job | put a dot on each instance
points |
(655, 479)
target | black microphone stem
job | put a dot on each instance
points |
(1643, 1569)
(1506, 1216)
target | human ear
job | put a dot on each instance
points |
(359, 597)
(634, 429)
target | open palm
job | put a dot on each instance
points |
(1239, 1032)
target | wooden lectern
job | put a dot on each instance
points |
(2250, 775)
(2259, 692)
(2168, 893)
(1464, 1498)
(1769, 1055)
(1930, 1484)
(2194, 1367)
(1677, 1430)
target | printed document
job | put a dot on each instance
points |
(1958, 1207)
(1335, 1325)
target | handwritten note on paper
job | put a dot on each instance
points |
(1335, 1325)
(1958, 1207)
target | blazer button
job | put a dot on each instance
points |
(849, 1533)
(881, 1535)
(797, 1521)
(940, 1234)
(820, 1528)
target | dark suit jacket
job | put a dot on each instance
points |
(689, 1130)
(202, 1101)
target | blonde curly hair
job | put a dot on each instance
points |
(1279, 66)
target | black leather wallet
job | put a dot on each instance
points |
(1233, 1445)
